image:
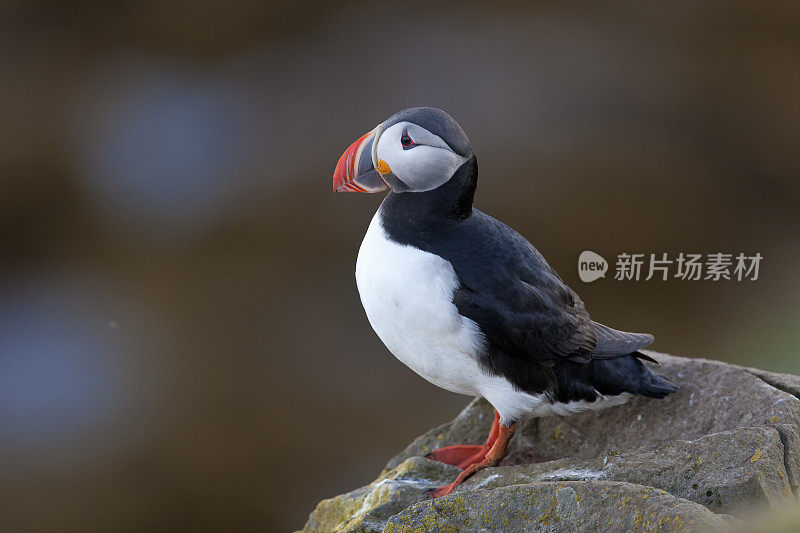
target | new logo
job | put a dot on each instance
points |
(591, 266)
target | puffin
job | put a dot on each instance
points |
(468, 303)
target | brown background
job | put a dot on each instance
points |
(181, 341)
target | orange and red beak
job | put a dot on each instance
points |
(355, 171)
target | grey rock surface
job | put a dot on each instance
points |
(368, 508)
(558, 506)
(734, 471)
(728, 443)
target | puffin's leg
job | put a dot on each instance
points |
(463, 455)
(492, 458)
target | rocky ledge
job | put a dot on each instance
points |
(726, 445)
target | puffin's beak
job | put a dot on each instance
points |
(355, 171)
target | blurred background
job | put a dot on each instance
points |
(181, 341)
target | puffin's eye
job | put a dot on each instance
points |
(407, 142)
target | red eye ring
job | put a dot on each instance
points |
(407, 142)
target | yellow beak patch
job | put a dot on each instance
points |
(383, 167)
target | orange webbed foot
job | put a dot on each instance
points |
(460, 455)
(492, 457)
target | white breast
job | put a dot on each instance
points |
(408, 297)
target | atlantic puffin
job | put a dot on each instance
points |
(467, 302)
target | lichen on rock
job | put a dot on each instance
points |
(368, 508)
(558, 506)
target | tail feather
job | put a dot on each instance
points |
(613, 343)
(645, 357)
(629, 374)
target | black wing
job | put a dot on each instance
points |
(526, 312)
(517, 299)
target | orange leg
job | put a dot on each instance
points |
(492, 458)
(463, 455)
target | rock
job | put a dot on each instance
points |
(784, 382)
(713, 397)
(368, 508)
(728, 443)
(734, 471)
(558, 506)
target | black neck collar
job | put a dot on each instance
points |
(446, 205)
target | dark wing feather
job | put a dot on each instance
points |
(521, 305)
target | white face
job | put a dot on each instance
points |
(418, 158)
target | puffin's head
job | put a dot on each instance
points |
(415, 150)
